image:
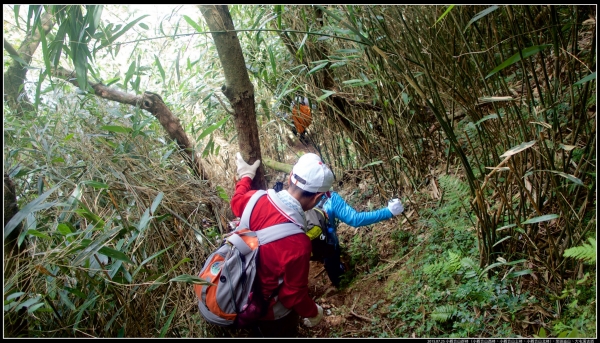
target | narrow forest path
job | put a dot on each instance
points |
(360, 308)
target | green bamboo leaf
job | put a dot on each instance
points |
(38, 90)
(317, 68)
(82, 309)
(185, 260)
(193, 23)
(444, 14)
(300, 51)
(38, 234)
(34, 206)
(85, 212)
(129, 74)
(512, 263)
(349, 82)
(518, 229)
(16, 10)
(518, 148)
(80, 60)
(155, 255)
(114, 128)
(371, 164)
(542, 333)
(14, 295)
(190, 279)
(326, 94)
(160, 68)
(493, 265)
(156, 202)
(486, 99)
(20, 60)
(519, 273)
(273, 61)
(95, 184)
(502, 240)
(488, 117)
(145, 220)
(165, 328)
(32, 308)
(532, 50)
(212, 128)
(541, 219)
(64, 297)
(364, 39)
(45, 51)
(569, 177)
(120, 33)
(116, 254)
(34, 12)
(585, 79)
(28, 303)
(348, 51)
(91, 247)
(480, 15)
(222, 194)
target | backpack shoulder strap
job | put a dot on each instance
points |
(245, 219)
(279, 231)
(266, 235)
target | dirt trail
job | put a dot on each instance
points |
(357, 310)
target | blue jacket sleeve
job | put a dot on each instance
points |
(336, 207)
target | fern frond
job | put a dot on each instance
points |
(433, 269)
(453, 262)
(456, 193)
(443, 313)
(585, 252)
(471, 267)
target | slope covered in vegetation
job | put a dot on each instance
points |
(118, 163)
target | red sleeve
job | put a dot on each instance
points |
(241, 196)
(294, 289)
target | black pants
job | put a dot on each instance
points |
(329, 254)
(283, 327)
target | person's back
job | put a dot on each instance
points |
(277, 257)
(283, 265)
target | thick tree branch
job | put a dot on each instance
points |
(9, 48)
(152, 103)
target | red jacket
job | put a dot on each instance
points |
(287, 258)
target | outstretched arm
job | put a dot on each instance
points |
(336, 207)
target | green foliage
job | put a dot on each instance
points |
(579, 310)
(449, 284)
(585, 252)
(443, 313)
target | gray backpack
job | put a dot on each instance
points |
(231, 298)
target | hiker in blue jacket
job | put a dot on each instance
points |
(322, 229)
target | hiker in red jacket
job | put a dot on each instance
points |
(284, 263)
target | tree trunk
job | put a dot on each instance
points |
(14, 78)
(238, 88)
(15, 323)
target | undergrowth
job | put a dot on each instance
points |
(450, 295)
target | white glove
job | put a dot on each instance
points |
(244, 169)
(395, 206)
(310, 322)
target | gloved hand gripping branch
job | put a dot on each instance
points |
(244, 169)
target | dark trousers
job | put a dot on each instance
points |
(329, 254)
(282, 327)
